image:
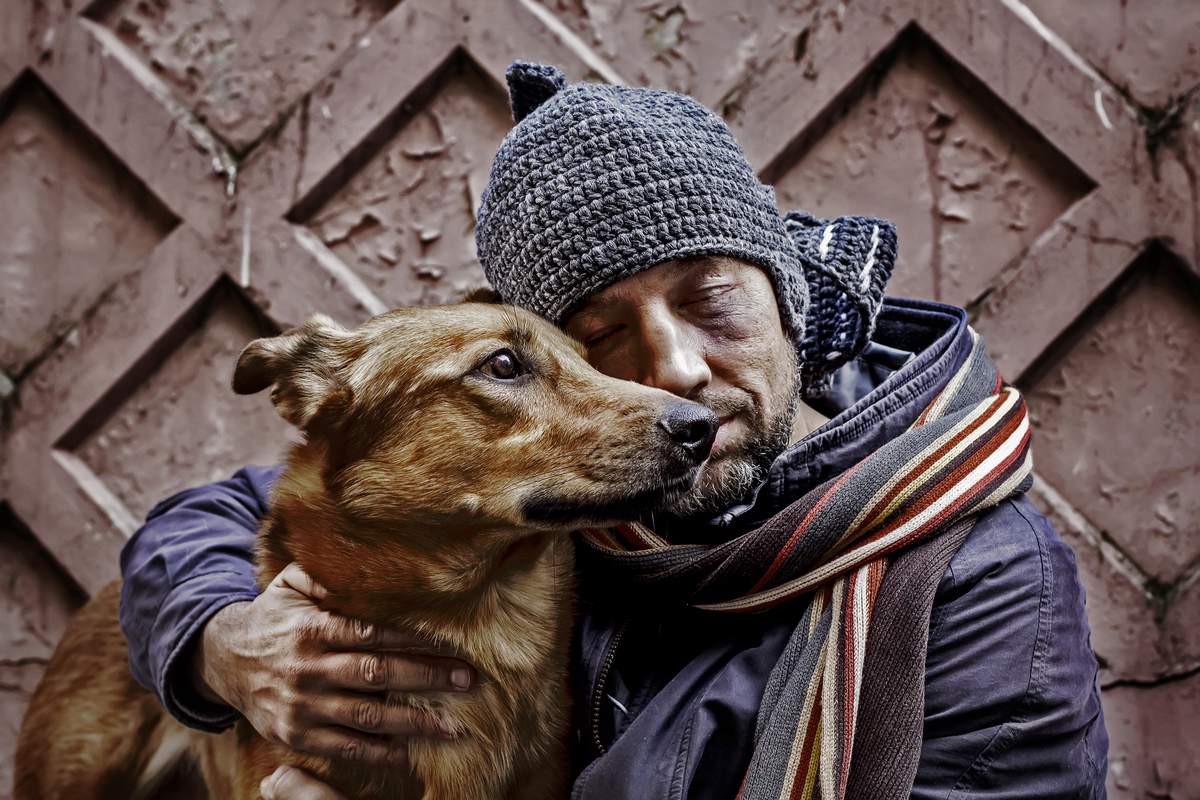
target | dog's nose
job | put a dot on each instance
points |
(691, 426)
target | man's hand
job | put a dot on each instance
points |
(314, 681)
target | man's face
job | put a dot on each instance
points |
(707, 329)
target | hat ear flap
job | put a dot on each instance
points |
(530, 85)
(847, 263)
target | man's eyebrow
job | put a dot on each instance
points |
(709, 263)
(596, 304)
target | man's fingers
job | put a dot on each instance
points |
(295, 578)
(345, 744)
(374, 715)
(343, 633)
(366, 672)
(289, 783)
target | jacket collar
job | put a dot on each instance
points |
(917, 346)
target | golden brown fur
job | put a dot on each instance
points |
(427, 495)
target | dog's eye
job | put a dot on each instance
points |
(503, 365)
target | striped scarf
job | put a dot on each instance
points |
(967, 451)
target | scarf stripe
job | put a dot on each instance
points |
(891, 538)
(790, 544)
(946, 449)
(966, 451)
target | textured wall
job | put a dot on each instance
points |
(179, 177)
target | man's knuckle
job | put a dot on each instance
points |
(364, 632)
(372, 670)
(289, 700)
(292, 677)
(310, 629)
(352, 750)
(368, 715)
(284, 733)
(294, 724)
(428, 674)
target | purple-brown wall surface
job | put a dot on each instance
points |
(177, 177)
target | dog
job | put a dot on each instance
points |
(447, 453)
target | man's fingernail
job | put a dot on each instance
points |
(266, 787)
(460, 678)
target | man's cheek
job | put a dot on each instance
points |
(740, 325)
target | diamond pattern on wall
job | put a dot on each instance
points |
(1122, 615)
(405, 220)
(36, 601)
(931, 113)
(709, 49)
(1150, 49)
(183, 425)
(969, 185)
(1153, 750)
(74, 221)
(241, 63)
(1116, 423)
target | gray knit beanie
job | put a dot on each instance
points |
(598, 182)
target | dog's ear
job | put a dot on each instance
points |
(482, 294)
(301, 365)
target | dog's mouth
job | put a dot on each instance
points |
(547, 508)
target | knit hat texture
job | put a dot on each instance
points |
(597, 182)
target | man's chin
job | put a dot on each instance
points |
(722, 481)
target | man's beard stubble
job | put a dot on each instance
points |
(738, 471)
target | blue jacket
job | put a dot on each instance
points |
(666, 707)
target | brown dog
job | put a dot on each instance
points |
(447, 451)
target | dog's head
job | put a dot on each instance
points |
(478, 413)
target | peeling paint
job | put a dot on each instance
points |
(973, 189)
(240, 64)
(1152, 54)
(183, 426)
(405, 223)
(709, 49)
(985, 177)
(1130, 372)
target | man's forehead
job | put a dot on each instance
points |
(658, 277)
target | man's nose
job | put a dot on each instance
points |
(673, 359)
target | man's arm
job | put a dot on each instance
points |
(193, 557)
(211, 647)
(1012, 704)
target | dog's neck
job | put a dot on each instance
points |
(443, 583)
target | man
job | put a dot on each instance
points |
(856, 600)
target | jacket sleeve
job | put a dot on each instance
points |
(193, 556)
(1012, 699)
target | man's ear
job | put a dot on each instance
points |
(482, 294)
(301, 365)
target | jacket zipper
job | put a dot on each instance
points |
(610, 655)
